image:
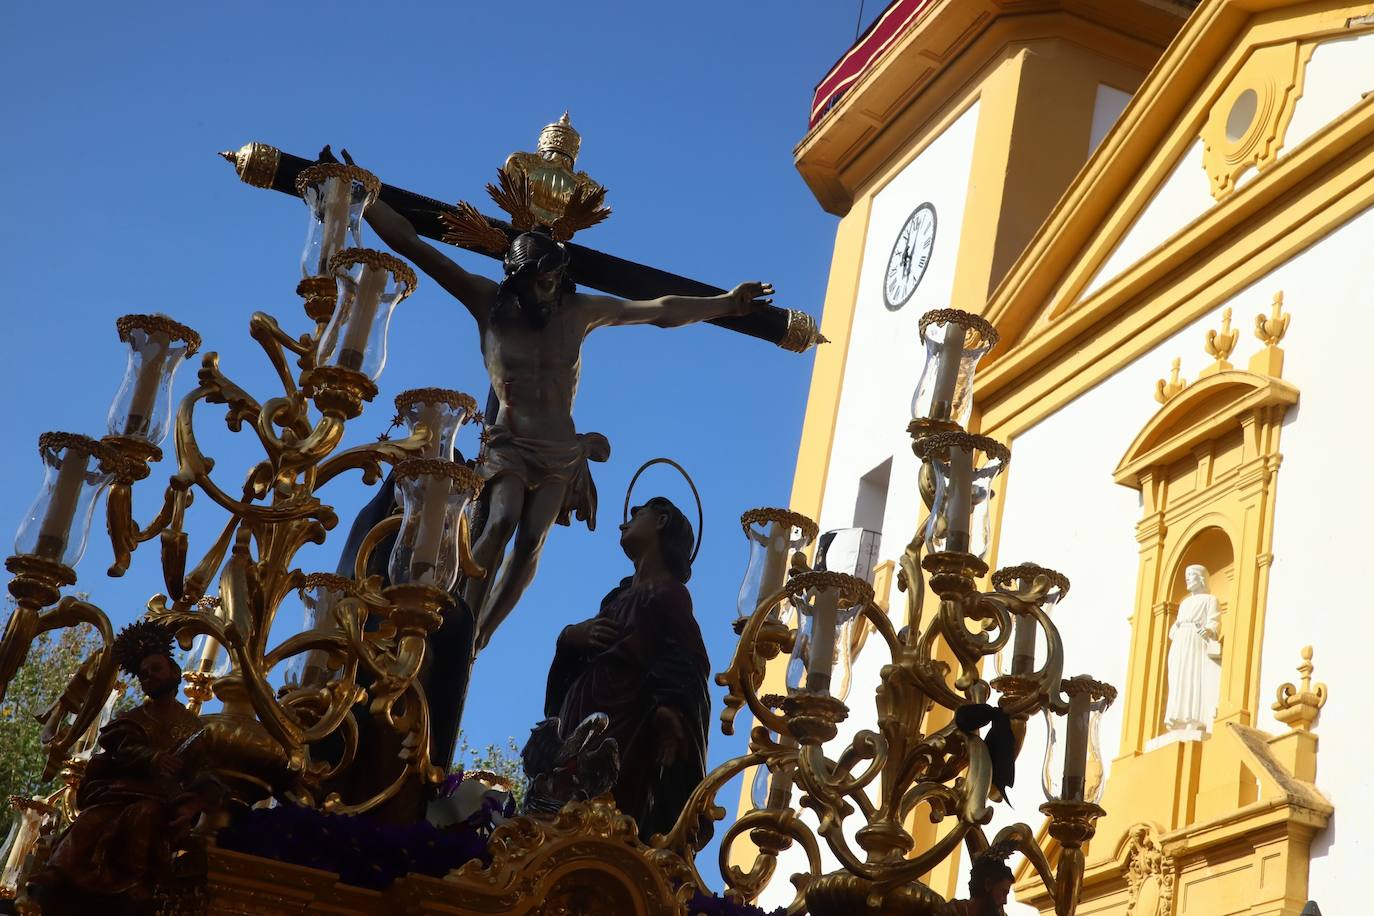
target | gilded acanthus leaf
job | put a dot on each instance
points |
(585, 208)
(469, 229)
(512, 194)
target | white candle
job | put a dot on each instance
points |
(57, 521)
(780, 788)
(209, 655)
(947, 361)
(1076, 747)
(362, 309)
(958, 499)
(424, 559)
(775, 560)
(144, 399)
(1023, 652)
(822, 656)
(337, 194)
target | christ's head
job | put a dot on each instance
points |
(536, 269)
(660, 525)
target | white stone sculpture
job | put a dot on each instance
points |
(1193, 652)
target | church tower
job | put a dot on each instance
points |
(961, 124)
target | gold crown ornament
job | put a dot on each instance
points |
(560, 137)
(539, 190)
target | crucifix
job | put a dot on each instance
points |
(531, 325)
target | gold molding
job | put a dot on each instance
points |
(1242, 847)
(1246, 126)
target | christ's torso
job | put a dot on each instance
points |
(535, 370)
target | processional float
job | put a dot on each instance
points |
(367, 650)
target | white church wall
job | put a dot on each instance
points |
(1321, 536)
(1321, 517)
(1338, 76)
(1182, 197)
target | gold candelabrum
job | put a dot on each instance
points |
(363, 642)
(932, 697)
(288, 725)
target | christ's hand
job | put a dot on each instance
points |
(748, 297)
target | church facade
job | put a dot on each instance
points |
(1167, 211)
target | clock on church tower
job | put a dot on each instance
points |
(910, 256)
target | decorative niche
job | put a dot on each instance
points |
(1206, 465)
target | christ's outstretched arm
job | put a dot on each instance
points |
(676, 311)
(474, 291)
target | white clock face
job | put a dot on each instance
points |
(910, 257)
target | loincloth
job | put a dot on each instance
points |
(536, 462)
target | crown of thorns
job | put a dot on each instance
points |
(139, 640)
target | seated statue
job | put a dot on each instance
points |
(139, 796)
(989, 885)
(642, 663)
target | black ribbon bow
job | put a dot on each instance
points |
(1000, 740)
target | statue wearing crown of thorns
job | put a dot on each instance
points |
(532, 325)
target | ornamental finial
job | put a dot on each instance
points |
(1270, 330)
(1219, 344)
(1299, 707)
(1166, 390)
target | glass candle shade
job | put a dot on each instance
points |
(773, 535)
(441, 412)
(1073, 768)
(825, 602)
(960, 468)
(60, 517)
(370, 283)
(206, 655)
(1036, 585)
(434, 494)
(157, 347)
(336, 196)
(28, 820)
(320, 594)
(86, 746)
(955, 341)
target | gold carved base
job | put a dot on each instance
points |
(588, 861)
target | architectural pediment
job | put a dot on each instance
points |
(1252, 138)
(1201, 412)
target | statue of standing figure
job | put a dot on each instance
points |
(640, 667)
(1193, 647)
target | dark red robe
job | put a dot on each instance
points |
(660, 661)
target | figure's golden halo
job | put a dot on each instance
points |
(701, 517)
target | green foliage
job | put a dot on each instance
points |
(502, 761)
(52, 660)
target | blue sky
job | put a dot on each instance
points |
(116, 202)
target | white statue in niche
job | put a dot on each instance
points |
(1194, 659)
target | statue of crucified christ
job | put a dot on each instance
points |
(532, 325)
